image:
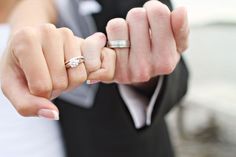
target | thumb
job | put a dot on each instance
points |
(107, 71)
(15, 88)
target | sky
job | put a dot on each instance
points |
(209, 11)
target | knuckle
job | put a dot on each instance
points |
(90, 42)
(92, 64)
(23, 110)
(26, 32)
(124, 79)
(66, 32)
(100, 35)
(48, 32)
(166, 67)
(60, 84)
(116, 25)
(183, 48)
(109, 75)
(136, 14)
(78, 77)
(41, 88)
(142, 76)
(109, 53)
(22, 40)
(20, 49)
(157, 9)
(79, 40)
(142, 71)
(25, 35)
(47, 28)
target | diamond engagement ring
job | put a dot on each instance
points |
(74, 62)
(118, 44)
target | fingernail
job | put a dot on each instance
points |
(48, 114)
(92, 81)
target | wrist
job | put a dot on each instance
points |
(32, 13)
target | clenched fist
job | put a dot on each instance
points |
(157, 37)
(34, 71)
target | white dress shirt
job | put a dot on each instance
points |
(138, 105)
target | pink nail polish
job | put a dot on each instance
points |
(92, 81)
(48, 114)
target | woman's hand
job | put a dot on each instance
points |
(99, 61)
(33, 68)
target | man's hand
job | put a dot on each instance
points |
(157, 36)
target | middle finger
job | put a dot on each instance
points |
(140, 40)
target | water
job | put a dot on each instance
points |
(209, 11)
(210, 106)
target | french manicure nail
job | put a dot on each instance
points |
(92, 81)
(48, 114)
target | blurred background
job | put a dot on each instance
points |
(204, 125)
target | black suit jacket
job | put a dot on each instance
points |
(107, 129)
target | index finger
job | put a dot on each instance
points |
(27, 49)
(117, 29)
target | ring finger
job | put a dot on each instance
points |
(117, 29)
(76, 75)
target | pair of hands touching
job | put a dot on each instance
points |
(33, 67)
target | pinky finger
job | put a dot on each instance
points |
(180, 26)
(107, 71)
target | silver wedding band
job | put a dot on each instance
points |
(118, 44)
(74, 62)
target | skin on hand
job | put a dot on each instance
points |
(157, 36)
(99, 66)
(34, 69)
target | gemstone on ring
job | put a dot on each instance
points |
(74, 62)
